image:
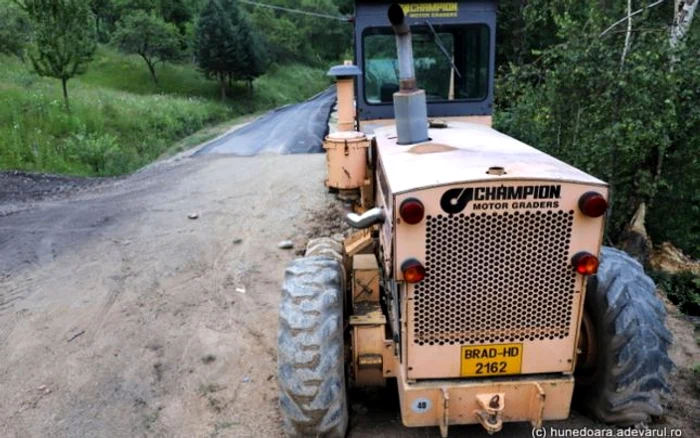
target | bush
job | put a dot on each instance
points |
(632, 124)
(682, 289)
(108, 132)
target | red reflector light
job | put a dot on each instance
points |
(413, 271)
(412, 211)
(593, 204)
(585, 263)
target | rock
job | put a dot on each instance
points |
(285, 244)
(193, 215)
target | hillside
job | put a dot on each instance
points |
(119, 119)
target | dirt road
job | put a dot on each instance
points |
(122, 317)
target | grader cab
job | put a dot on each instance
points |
(477, 278)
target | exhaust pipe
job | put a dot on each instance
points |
(410, 108)
(367, 219)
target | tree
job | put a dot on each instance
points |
(148, 36)
(617, 98)
(248, 53)
(215, 44)
(15, 30)
(64, 39)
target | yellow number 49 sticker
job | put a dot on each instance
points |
(491, 360)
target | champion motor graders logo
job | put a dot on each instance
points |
(486, 198)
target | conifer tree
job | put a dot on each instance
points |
(215, 44)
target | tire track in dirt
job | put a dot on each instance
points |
(11, 294)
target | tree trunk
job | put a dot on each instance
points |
(223, 86)
(634, 240)
(152, 69)
(685, 10)
(64, 84)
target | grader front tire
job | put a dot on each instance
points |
(625, 380)
(311, 371)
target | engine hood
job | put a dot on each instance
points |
(464, 152)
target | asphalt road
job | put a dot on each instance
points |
(292, 129)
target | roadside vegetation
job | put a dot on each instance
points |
(117, 122)
(103, 87)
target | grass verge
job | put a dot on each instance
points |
(119, 119)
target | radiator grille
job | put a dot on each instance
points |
(495, 277)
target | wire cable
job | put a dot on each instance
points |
(296, 11)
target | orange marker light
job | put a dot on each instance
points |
(413, 271)
(585, 263)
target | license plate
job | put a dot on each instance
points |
(491, 360)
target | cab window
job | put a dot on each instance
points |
(466, 46)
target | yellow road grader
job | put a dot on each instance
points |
(476, 277)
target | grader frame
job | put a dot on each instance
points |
(468, 279)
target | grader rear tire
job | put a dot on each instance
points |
(311, 371)
(622, 377)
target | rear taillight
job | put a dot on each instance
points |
(413, 271)
(412, 211)
(593, 204)
(585, 263)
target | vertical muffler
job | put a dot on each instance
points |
(410, 107)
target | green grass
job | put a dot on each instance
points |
(120, 120)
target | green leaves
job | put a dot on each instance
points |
(64, 38)
(148, 36)
(226, 44)
(15, 30)
(634, 126)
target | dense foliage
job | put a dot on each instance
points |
(15, 30)
(620, 105)
(150, 37)
(682, 288)
(226, 45)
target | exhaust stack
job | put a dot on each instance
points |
(410, 107)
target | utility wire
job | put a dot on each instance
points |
(296, 11)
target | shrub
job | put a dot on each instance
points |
(683, 289)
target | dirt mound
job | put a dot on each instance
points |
(21, 189)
